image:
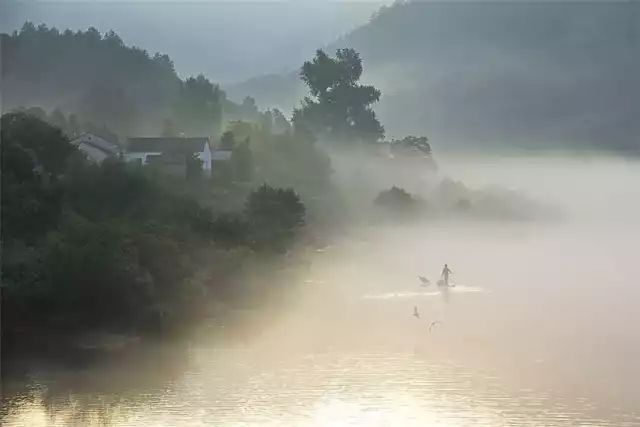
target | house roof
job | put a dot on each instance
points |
(167, 145)
(96, 142)
(164, 159)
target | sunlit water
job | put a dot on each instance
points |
(541, 329)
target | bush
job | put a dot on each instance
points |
(110, 246)
(274, 214)
(395, 198)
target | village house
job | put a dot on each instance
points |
(171, 152)
(96, 149)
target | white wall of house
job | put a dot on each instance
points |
(205, 157)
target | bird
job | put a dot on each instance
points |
(424, 281)
(415, 312)
(432, 324)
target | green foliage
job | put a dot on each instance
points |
(227, 141)
(96, 75)
(199, 107)
(242, 162)
(193, 167)
(109, 84)
(34, 154)
(340, 108)
(110, 245)
(396, 199)
(46, 145)
(416, 144)
(274, 214)
(293, 159)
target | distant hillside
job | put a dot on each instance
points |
(99, 79)
(88, 73)
(536, 75)
(228, 41)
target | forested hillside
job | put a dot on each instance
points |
(99, 79)
(543, 75)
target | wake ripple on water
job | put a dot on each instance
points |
(462, 289)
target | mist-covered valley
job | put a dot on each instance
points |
(438, 227)
(515, 75)
(539, 326)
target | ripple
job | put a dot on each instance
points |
(323, 389)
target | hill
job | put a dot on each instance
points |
(533, 75)
(100, 80)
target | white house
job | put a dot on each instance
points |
(145, 150)
(96, 149)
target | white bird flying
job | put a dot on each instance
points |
(432, 324)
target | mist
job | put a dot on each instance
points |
(227, 41)
(542, 316)
(484, 76)
(441, 231)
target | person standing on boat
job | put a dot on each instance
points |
(445, 274)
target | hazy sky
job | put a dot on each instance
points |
(227, 41)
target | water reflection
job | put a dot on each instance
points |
(239, 387)
(543, 333)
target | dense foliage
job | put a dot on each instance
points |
(396, 200)
(111, 246)
(100, 80)
(274, 214)
(339, 108)
(550, 75)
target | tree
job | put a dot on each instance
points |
(46, 145)
(193, 166)
(242, 161)
(339, 108)
(397, 201)
(280, 122)
(294, 159)
(227, 141)
(199, 107)
(34, 154)
(395, 197)
(249, 109)
(57, 119)
(413, 143)
(274, 214)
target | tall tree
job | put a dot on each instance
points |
(339, 108)
(242, 161)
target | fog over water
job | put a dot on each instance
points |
(541, 328)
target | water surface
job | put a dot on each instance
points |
(542, 329)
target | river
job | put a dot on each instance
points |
(542, 327)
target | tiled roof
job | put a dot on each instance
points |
(167, 145)
(97, 142)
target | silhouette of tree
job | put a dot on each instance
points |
(274, 214)
(199, 107)
(339, 108)
(242, 161)
(227, 141)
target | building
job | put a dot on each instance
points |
(173, 151)
(221, 155)
(96, 149)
